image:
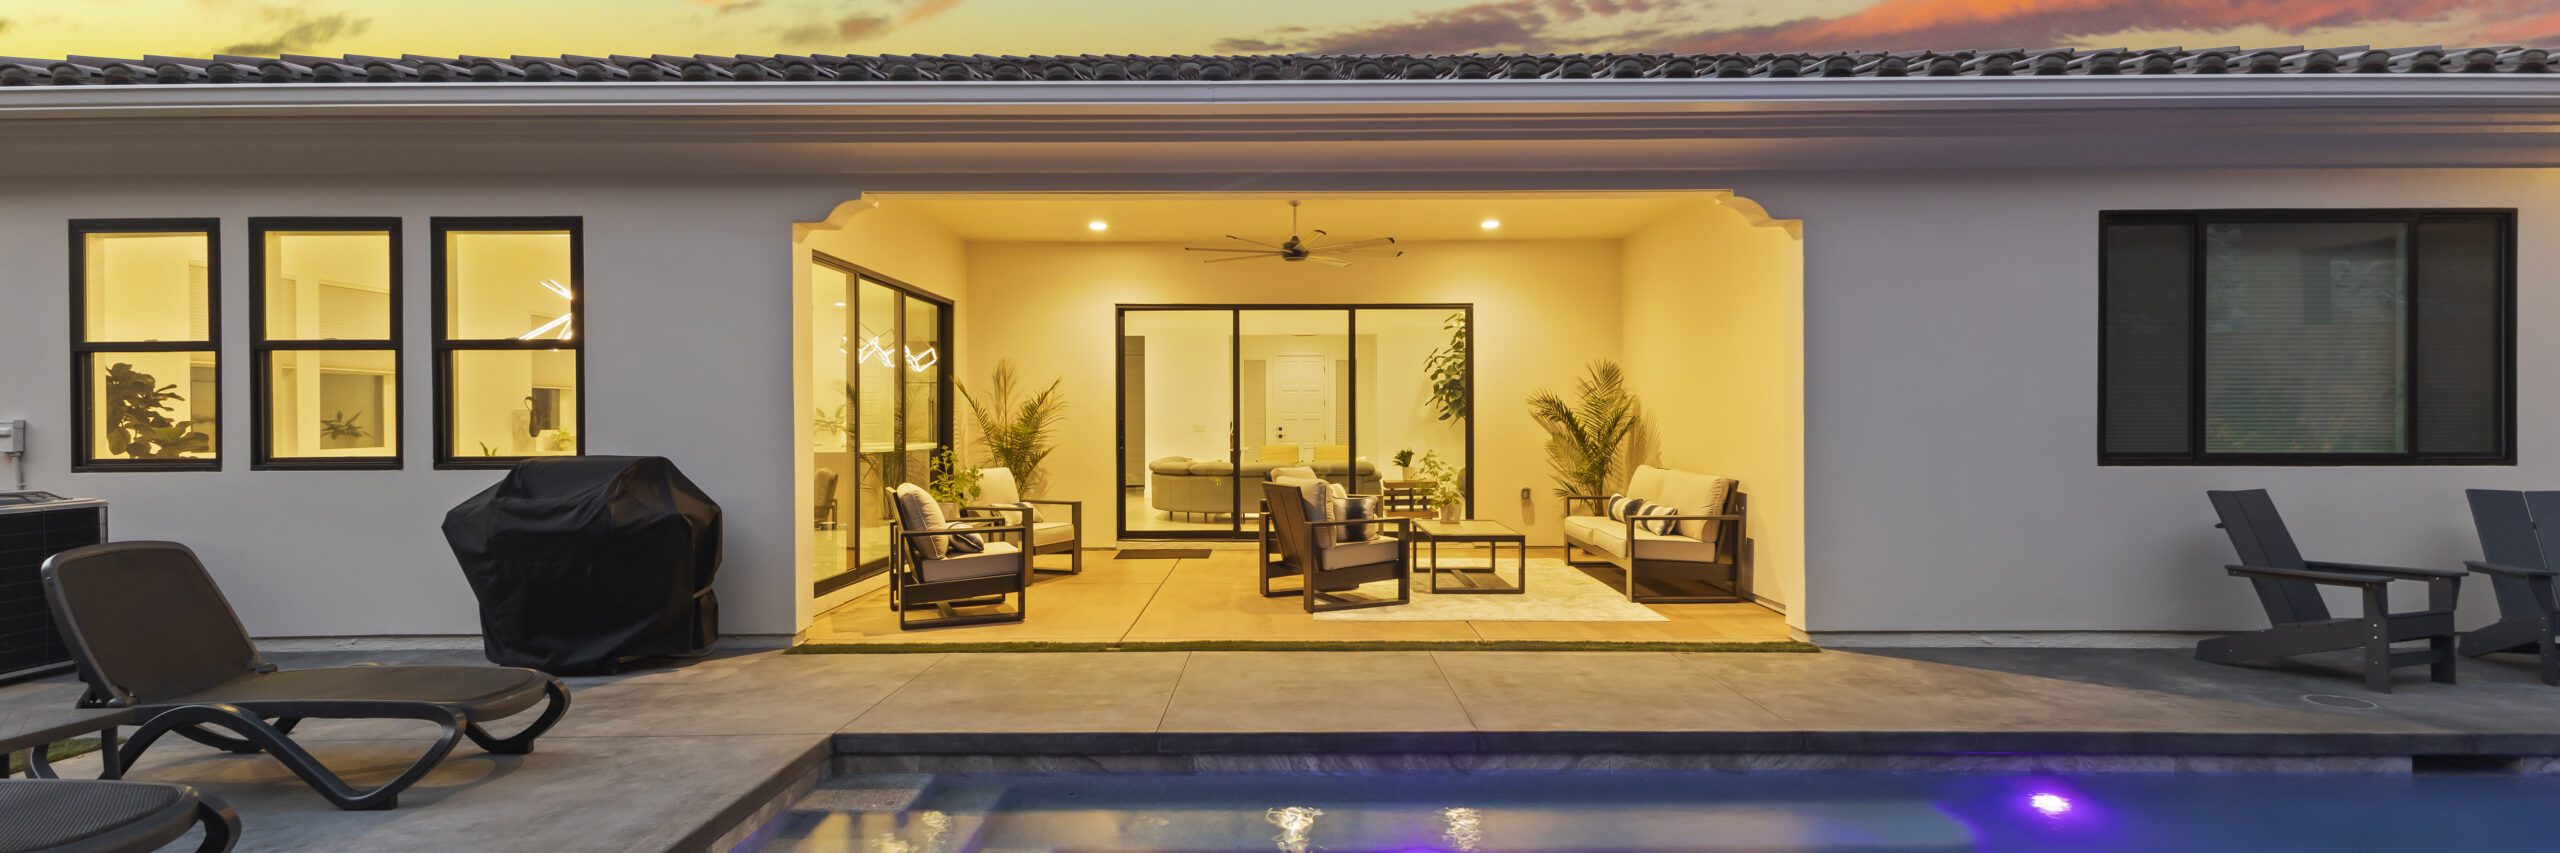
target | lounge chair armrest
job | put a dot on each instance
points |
(1596, 502)
(955, 531)
(2486, 567)
(1684, 518)
(2330, 578)
(1051, 502)
(1399, 521)
(2387, 571)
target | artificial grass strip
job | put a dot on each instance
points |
(55, 752)
(1782, 647)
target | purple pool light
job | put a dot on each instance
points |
(2049, 804)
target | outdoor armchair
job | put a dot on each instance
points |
(923, 577)
(1329, 565)
(152, 633)
(999, 496)
(2288, 587)
(2516, 549)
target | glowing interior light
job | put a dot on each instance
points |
(873, 346)
(2050, 805)
(839, 304)
(1490, 224)
(558, 328)
(919, 362)
(1097, 226)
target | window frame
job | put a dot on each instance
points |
(946, 422)
(84, 459)
(262, 348)
(439, 230)
(2413, 218)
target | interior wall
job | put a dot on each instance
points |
(1543, 310)
(1714, 331)
(898, 243)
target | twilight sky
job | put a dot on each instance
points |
(131, 28)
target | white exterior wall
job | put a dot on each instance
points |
(687, 292)
(1950, 370)
(1951, 407)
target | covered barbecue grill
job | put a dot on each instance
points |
(584, 563)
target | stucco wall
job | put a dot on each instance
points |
(684, 285)
(1714, 309)
(1951, 407)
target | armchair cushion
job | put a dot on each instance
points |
(1351, 554)
(996, 487)
(918, 511)
(1610, 537)
(999, 559)
(1696, 494)
(1048, 533)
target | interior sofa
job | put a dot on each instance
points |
(1183, 485)
(1702, 548)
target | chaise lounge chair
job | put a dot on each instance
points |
(2289, 588)
(152, 633)
(44, 813)
(2518, 562)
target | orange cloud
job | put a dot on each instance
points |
(1948, 24)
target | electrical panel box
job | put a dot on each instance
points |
(13, 436)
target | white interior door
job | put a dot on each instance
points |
(1301, 393)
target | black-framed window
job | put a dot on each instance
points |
(146, 342)
(2307, 337)
(324, 315)
(511, 328)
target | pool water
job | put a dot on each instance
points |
(1589, 811)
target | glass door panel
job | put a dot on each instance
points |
(1294, 373)
(1414, 394)
(872, 362)
(1178, 422)
(831, 457)
(920, 366)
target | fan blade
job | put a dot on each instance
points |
(1237, 258)
(1355, 244)
(1255, 242)
(1251, 251)
(1329, 260)
(1371, 254)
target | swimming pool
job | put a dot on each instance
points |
(1660, 811)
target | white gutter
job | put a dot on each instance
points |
(1349, 98)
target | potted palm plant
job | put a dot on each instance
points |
(1017, 430)
(1591, 439)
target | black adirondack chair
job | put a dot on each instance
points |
(2289, 588)
(2517, 559)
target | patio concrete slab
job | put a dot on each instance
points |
(674, 757)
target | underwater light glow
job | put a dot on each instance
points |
(2050, 805)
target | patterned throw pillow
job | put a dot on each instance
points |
(1621, 506)
(1658, 528)
(1360, 508)
(1318, 500)
(965, 543)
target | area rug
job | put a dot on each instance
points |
(1557, 593)
(1162, 554)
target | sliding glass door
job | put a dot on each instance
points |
(1213, 399)
(883, 410)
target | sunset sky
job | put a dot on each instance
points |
(131, 28)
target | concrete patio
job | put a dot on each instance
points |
(689, 757)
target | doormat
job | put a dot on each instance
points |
(1163, 554)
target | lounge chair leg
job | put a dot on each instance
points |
(221, 824)
(557, 705)
(252, 729)
(2377, 655)
(2440, 668)
(2548, 649)
(227, 743)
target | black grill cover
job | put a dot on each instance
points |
(582, 563)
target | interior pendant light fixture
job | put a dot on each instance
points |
(1299, 248)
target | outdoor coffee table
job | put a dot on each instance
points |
(1492, 535)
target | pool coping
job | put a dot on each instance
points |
(2165, 743)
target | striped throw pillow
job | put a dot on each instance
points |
(1658, 528)
(1621, 506)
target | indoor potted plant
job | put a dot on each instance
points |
(953, 483)
(1448, 488)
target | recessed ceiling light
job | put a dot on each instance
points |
(1097, 226)
(1490, 224)
(839, 304)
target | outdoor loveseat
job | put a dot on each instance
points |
(1686, 528)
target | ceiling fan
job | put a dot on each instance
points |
(1302, 248)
